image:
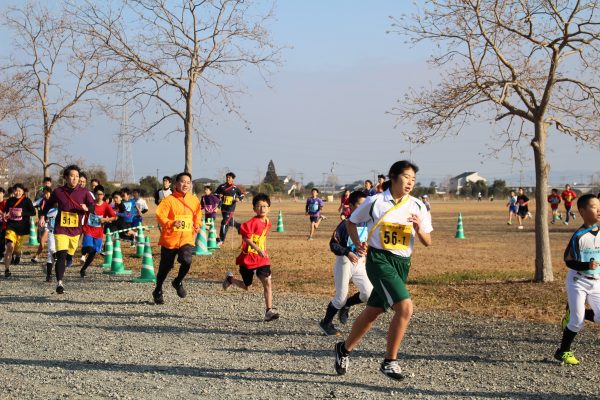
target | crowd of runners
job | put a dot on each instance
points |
(372, 244)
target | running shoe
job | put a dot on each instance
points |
(529, 215)
(60, 289)
(181, 292)
(227, 280)
(520, 227)
(343, 315)
(82, 272)
(567, 357)
(16, 260)
(310, 238)
(573, 215)
(553, 221)
(35, 260)
(341, 359)
(271, 315)
(7, 273)
(566, 223)
(565, 319)
(83, 258)
(391, 369)
(157, 295)
(508, 223)
(328, 329)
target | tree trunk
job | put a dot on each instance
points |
(189, 126)
(46, 156)
(543, 258)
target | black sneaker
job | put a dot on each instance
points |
(341, 359)
(391, 369)
(180, 289)
(7, 273)
(328, 329)
(60, 289)
(49, 278)
(158, 297)
(343, 315)
(35, 260)
(16, 260)
(82, 272)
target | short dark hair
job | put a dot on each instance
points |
(2, 190)
(47, 189)
(369, 182)
(95, 180)
(396, 169)
(99, 188)
(182, 174)
(231, 174)
(70, 168)
(83, 175)
(208, 187)
(381, 176)
(584, 201)
(136, 191)
(166, 178)
(47, 179)
(116, 193)
(261, 197)
(355, 196)
(314, 189)
(555, 190)
(18, 186)
(125, 190)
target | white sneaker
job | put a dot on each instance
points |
(83, 258)
(520, 227)
(271, 314)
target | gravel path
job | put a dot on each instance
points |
(104, 339)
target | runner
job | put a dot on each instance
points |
(394, 219)
(209, 204)
(230, 194)
(42, 232)
(2, 224)
(368, 190)
(313, 208)
(180, 219)
(568, 195)
(17, 213)
(554, 200)
(164, 191)
(380, 182)
(523, 210)
(72, 202)
(141, 207)
(513, 206)
(344, 208)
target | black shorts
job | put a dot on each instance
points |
(248, 274)
(314, 218)
(523, 211)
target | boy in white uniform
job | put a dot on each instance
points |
(582, 257)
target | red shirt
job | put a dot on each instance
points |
(568, 196)
(255, 230)
(2, 207)
(92, 226)
(345, 203)
(554, 200)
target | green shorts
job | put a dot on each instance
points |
(387, 272)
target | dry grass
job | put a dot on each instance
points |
(488, 274)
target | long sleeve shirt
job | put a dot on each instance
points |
(70, 214)
(178, 207)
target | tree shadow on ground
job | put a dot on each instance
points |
(8, 299)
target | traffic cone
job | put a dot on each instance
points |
(280, 222)
(140, 239)
(460, 233)
(201, 244)
(33, 240)
(108, 250)
(147, 273)
(212, 237)
(117, 267)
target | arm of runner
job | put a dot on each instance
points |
(197, 218)
(422, 224)
(162, 214)
(47, 207)
(361, 247)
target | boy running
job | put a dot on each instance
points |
(141, 207)
(210, 204)
(17, 213)
(254, 258)
(582, 257)
(554, 200)
(230, 194)
(513, 206)
(394, 219)
(348, 266)
(568, 195)
(93, 229)
(523, 210)
(163, 192)
(314, 205)
(42, 234)
(72, 202)
(180, 219)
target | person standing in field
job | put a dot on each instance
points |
(523, 210)
(17, 213)
(163, 192)
(554, 200)
(344, 208)
(380, 182)
(230, 194)
(72, 202)
(568, 195)
(209, 203)
(369, 190)
(394, 219)
(513, 206)
(180, 219)
(313, 208)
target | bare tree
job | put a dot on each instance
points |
(59, 74)
(531, 65)
(183, 57)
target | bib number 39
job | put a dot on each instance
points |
(395, 236)
(186, 223)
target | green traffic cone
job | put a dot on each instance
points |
(117, 267)
(280, 222)
(140, 239)
(108, 250)
(33, 240)
(201, 244)
(460, 233)
(147, 273)
(212, 237)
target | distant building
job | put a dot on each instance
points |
(459, 181)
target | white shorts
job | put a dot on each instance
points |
(343, 272)
(51, 247)
(579, 291)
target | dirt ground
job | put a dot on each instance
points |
(488, 273)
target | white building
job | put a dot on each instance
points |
(459, 181)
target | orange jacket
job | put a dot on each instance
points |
(172, 209)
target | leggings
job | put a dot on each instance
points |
(167, 260)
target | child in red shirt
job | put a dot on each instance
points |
(568, 195)
(254, 258)
(554, 200)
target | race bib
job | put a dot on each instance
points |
(69, 219)
(15, 214)
(259, 241)
(569, 198)
(363, 235)
(587, 255)
(94, 220)
(314, 207)
(186, 225)
(395, 236)
(227, 200)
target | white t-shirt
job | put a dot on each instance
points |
(142, 205)
(395, 234)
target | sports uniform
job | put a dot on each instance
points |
(18, 212)
(314, 205)
(554, 200)
(209, 204)
(229, 194)
(568, 196)
(50, 221)
(249, 260)
(93, 233)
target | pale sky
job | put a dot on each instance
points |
(328, 104)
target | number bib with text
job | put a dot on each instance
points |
(227, 200)
(587, 255)
(259, 241)
(69, 219)
(186, 225)
(395, 236)
(94, 220)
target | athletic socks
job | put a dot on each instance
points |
(353, 300)
(567, 340)
(330, 313)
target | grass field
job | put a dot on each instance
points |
(489, 273)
